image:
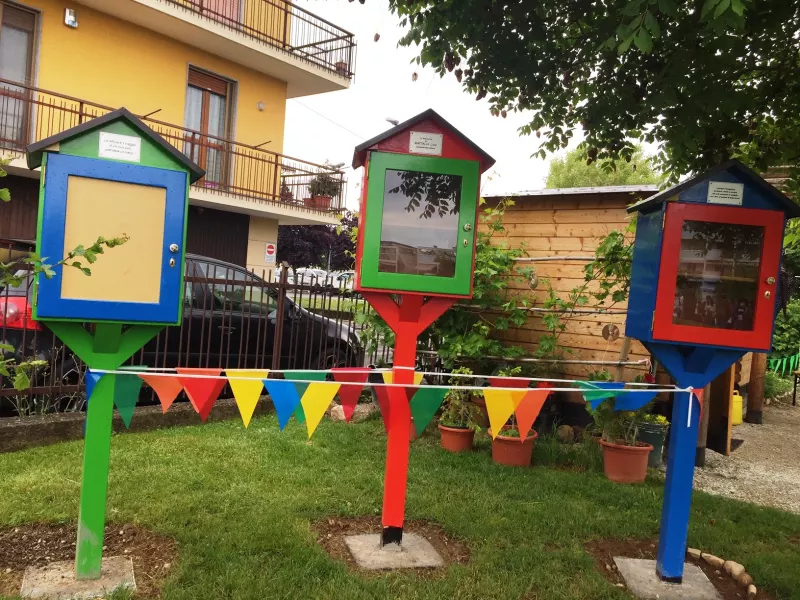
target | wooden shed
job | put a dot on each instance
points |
(570, 222)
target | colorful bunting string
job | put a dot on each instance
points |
(307, 395)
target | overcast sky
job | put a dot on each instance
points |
(383, 88)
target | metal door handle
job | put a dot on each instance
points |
(771, 280)
(173, 248)
(226, 329)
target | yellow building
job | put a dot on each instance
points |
(211, 76)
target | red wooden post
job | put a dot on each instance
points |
(408, 319)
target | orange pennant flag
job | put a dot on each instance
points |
(202, 391)
(528, 409)
(166, 387)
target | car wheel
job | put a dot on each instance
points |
(332, 358)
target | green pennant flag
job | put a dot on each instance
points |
(424, 404)
(126, 393)
(592, 392)
(783, 366)
(299, 414)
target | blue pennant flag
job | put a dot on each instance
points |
(284, 398)
(632, 400)
(604, 391)
(91, 380)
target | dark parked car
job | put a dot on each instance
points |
(230, 319)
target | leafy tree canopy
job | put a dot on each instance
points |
(572, 170)
(310, 245)
(707, 79)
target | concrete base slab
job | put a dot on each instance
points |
(415, 553)
(641, 579)
(57, 581)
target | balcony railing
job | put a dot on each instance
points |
(282, 25)
(29, 114)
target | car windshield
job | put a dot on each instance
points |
(233, 288)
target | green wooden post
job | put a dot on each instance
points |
(107, 350)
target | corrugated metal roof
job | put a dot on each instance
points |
(609, 189)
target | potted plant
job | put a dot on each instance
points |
(624, 457)
(653, 431)
(508, 448)
(457, 422)
(322, 189)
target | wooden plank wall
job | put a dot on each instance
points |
(569, 225)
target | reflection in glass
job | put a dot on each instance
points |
(419, 230)
(718, 275)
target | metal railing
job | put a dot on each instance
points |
(282, 25)
(232, 318)
(29, 114)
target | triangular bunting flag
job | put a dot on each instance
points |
(698, 392)
(166, 387)
(247, 386)
(528, 409)
(510, 382)
(284, 398)
(382, 393)
(202, 391)
(629, 400)
(597, 391)
(424, 405)
(301, 387)
(126, 393)
(349, 394)
(91, 380)
(315, 401)
(500, 407)
(388, 377)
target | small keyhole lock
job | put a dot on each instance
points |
(771, 280)
(767, 294)
(171, 262)
(466, 243)
(173, 248)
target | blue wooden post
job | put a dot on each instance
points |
(678, 488)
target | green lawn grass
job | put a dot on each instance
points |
(240, 504)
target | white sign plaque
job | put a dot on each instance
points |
(120, 147)
(425, 143)
(270, 253)
(722, 192)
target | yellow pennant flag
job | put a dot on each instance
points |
(315, 401)
(387, 377)
(247, 391)
(500, 406)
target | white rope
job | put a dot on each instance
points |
(161, 373)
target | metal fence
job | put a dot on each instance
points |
(285, 26)
(232, 318)
(29, 114)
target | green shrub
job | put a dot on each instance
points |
(786, 341)
(775, 385)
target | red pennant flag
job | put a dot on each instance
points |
(528, 410)
(349, 394)
(508, 382)
(698, 392)
(166, 387)
(202, 391)
(382, 394)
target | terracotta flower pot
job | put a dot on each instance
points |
(513, 451)
(318, 202)
(457, 439)
(625, 464)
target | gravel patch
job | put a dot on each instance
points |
(765, 469)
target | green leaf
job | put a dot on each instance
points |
(668, 7)
(721, 8)
(6, 347)
(5, 195)
(643, 41)
(623, 47)
(707, 7)
(738, 7)
(21, 380)
(652, 25)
